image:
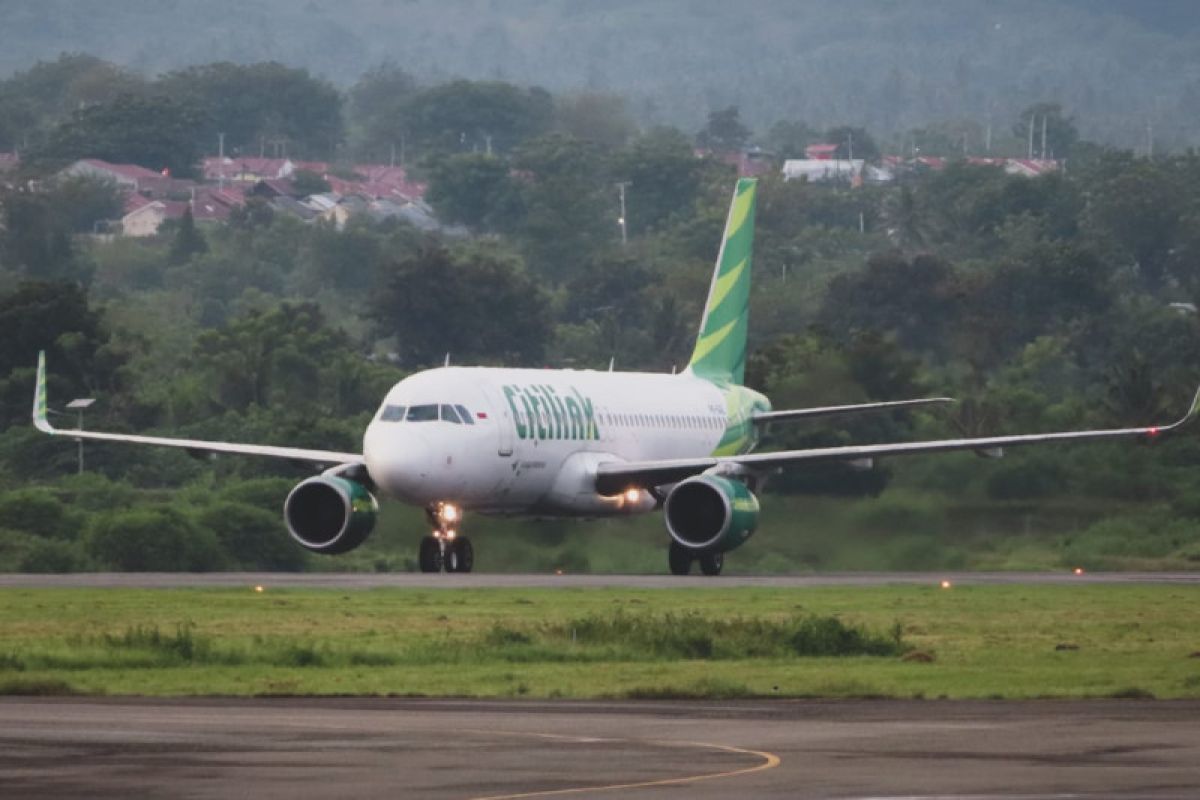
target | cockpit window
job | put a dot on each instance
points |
(392, 413)
(427, 413)
(450, 415)
(466, 415)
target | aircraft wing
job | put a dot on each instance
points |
(833, 411)
(615, 477)
(323, 457)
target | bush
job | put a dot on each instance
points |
(253, 538)
(39, 512)
(158, 539)
(1026, 479)
(45, 555)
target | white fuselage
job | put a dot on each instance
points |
(534, 437)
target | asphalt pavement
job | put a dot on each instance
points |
(440, 749)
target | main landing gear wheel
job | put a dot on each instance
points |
(460, 555)
(431, 558)
(712, 563)
(679, 558)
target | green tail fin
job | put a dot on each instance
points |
(720, 352)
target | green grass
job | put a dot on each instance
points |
(901, 641)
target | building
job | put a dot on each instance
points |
(821, 170)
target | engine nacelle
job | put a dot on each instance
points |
(710, 513)
(330, 514)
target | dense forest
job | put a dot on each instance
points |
(1119, 64)
(1041, 303)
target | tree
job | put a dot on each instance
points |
(473, 301)
(378, 107)
(188, 241)
(1061, 133)
(474, 189)
(47, 93)
(570, 204)
(664, 178)
(35, 241)
(789, 138)
(724, 132)
(286, 356)
(306, 182)
(596, 117)
(155, 132)
(852, 142)
(478, 116)
(81, 201)
(259, 105)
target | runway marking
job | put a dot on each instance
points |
(770, 761)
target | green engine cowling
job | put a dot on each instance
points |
(711, 514)
(330, 514)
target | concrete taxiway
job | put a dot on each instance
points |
(390, 748)
(366, 580)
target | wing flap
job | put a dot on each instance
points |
(834, 411)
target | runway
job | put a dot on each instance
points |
(391, 748)
(371, 580)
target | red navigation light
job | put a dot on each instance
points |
(481, 414)
(1153, 431)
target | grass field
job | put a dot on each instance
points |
(901, 641)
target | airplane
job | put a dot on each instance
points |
(580, 443)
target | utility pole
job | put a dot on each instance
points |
(850, 145)
(1029, 152)
(221, 161)
(78, 405)
(621, 219)
(1149, 139)
(1043, 137)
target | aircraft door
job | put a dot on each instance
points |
(504, 421)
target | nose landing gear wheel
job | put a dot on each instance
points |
(712, 563)
(679, 559)
(460, 555)
(430, 557)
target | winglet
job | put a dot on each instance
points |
(39, 397)
(1191, 412)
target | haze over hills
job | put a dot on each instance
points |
(890, 66)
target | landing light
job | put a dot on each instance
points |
(632, 495)
(945, 584)
(1078, 570)
(449, 513)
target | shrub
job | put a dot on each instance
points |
(253, 538)
(40, 512)
(153, 539)
(46, 555)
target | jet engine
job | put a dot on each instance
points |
(330, 514)
(710, 513)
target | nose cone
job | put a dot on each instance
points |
(399, 460)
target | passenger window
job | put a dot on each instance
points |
(466, 415)
(392, 414)
(422, 413)
(450, 415)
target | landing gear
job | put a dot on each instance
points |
(679, 558)
(444, 548)
(712, 563)
(431, 558)
(460, 555)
